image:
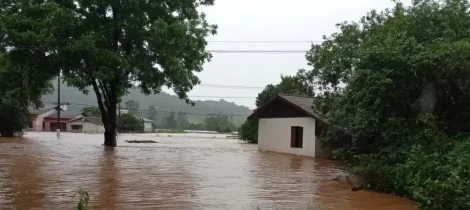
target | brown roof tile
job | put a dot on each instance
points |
(305, 104)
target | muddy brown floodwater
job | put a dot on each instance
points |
(40, 171)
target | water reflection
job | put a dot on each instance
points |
(22, 177)
(180, 172)
(109, 177)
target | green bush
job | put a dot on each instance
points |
(248, 131)
(436, 174)
(440, 180)
(397, 83)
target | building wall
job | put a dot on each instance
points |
(48, 121)
(274, 134)
(88, 127)
(37, 121)
(147, 127)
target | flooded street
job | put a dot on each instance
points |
(179, 172)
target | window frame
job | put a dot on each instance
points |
(297, 137)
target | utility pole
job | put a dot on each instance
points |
(58, 106)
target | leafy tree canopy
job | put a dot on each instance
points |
(397, 83)
(295, 85)
(130, 123)
(110, 45)
(132, 106)
(20, 90)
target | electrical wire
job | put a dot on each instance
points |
(264, 41)
(160, 111)
(230, 86)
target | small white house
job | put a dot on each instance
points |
(288, 124)
(82, 124)
(148, 125)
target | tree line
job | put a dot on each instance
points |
(130, 120)
(179, 121)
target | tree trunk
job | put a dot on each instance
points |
(108, 111)
(110, 138)
(110, 128)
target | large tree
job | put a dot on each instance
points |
(21, 88)
(111, 45)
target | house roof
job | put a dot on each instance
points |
(64, 114)
(303, 104)
(95, 120)
(46, 108)
(146, 120)
(42, 110)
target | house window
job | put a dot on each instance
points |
(297, 137)
(76, 127)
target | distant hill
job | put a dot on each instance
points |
(164, 102)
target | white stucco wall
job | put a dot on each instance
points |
(88, 127)
(274, 134)
(147, 127)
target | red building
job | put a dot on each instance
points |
(45, 119)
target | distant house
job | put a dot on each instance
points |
(45, 119)
(84, 124)
(148, 125)
(288, 124)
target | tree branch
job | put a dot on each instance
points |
(101, 106)
(105, 93)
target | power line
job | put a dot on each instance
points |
(222, 97)
(218, 97)
(186, 113)
(212, 51)
(263, 41)
(230, 86)
(216, 86)
(258, 51)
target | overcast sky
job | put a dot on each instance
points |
(268, 20)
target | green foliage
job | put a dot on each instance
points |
(132, 106)
(130, 123)
(83, 199)
(295, 85)
(447, 183)
(248, 131)
(219, 123)
(171, 121)
(152, 113)
(92, 111)
(13, 120)
(396, 85)
(111, 46)
(20, 89)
